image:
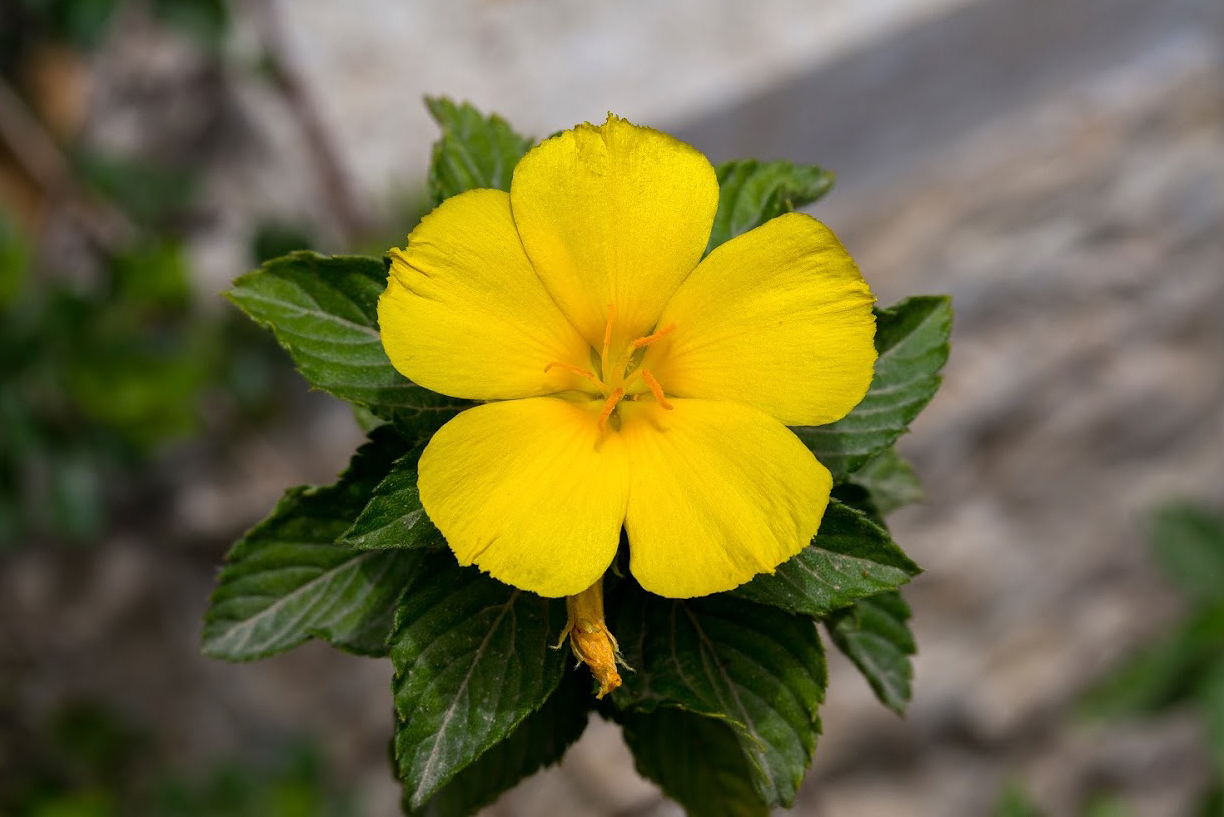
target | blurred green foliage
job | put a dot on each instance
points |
(1016, 802)
(97, 380)
(1182, 669)
(99, 377)
(86, 761)
(84, 24)
(104, 366)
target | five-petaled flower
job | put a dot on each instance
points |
(625, 381)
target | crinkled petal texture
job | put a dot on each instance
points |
(616, 214)
(464, 313)
(529, 492)
(779, 319)
(718, 492)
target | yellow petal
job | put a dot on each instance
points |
(777, 318)
(464, 313)
(529, 492)
(718, 492)
(613, 214)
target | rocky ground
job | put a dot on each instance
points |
(1081, 236)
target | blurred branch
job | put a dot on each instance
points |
(326, 158)
(36, 154)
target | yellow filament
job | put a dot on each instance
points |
(655, 389)
(649, 339)
(609, 406)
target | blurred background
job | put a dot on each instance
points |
(1057, 166)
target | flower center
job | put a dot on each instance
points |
(620, 369)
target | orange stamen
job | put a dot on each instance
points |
(609, 406)
(608, 334)
(655, 389)
(556, 364)
(649, 339)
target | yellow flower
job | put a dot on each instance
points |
(627, 382)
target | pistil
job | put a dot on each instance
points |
(609, 406)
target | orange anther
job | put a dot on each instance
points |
(609, 406)
(649, 339)
(556, 364)
(655, 389)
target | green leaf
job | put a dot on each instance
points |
(539, 741)
(696, 760)
(758, 669)
(474, 151)
(394, 517)
(875, 635)
(473, 657)
(751, 193)
(287, 580)
(890, 482)
(324, 311)
(1188, 544)
(1161, 674)
(850, 558)
(912, 342)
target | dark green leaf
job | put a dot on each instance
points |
(890, 482)
(757, 668)
(394, 517)
(696, 760)
(324, 311)
(850, 558)
(1161, 674)
(539, 741)
(287, 580)
(751, 193)
(474, 151)
(912, 342)
(875, 635)
(473, 657)
(1188, 543)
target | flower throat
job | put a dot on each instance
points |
(620, 370)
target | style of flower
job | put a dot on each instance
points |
(625, 381)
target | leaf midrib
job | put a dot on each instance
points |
(250, 623)
(450, 711)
